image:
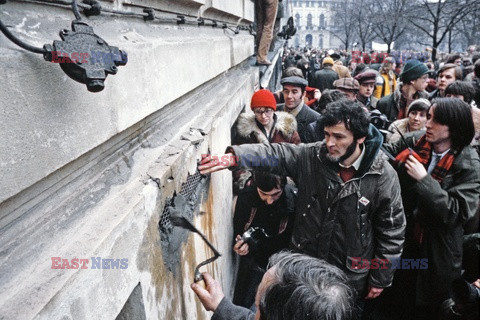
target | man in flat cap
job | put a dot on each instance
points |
(294, 94)
(414, 82)
(349, 86)
(365, 91)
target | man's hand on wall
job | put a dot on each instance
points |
(211, 295)
(212, 163)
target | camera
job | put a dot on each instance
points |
(379, 120)
(253, 236)
(464, 302)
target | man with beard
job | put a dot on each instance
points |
(349, 210)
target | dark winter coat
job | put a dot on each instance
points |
(306, 116)
(323, 79)
(338, 221)
(226, 310)
(441, 209)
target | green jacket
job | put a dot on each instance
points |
(441, 209)
(337, 221)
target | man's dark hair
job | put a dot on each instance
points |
(461, 88)
(329, 95)
(306, 288)
(452, 57)
(476, 69)
(359, 69)
(266, 181)
(457, 115)
(351, 113)
(458, 70)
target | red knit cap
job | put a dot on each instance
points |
(263, 99)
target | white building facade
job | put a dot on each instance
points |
(314, 19)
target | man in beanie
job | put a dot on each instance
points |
(348, 86)
(413, 83)
(367, 81)
(294, 94)
(324, 78)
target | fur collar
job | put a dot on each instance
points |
(285, 124)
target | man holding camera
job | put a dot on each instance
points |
(263, 224)
(349, 205)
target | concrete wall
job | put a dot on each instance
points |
(87, 175)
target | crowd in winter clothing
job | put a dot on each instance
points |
(376, 172)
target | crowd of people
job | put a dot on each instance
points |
(361, 184)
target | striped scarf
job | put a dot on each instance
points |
(422, 152)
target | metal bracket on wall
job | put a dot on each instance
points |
(84, 56)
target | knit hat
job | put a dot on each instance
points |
(412, 70)
(328, 60)
(263, 99)
(346, 84)
(420, 104)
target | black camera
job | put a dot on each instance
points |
(253, 236)
(379, 120)
(464, 302)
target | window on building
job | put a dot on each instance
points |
(297, 20)
(308, 40)
(309, 21)
(322, 21)
(320, 41)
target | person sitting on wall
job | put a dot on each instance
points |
(295, 287)
(263, 224)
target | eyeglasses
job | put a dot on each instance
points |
(260, 112)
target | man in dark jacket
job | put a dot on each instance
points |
(262, 225)
(324, 78)
(414, 81)
(440, 190)
(294, 94)
(349, 206)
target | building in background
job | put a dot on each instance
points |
(313, 19)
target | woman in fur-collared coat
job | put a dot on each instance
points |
(265, 125)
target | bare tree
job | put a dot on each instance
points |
(437, 18)
(390, 20)
(343, 26)
(469, 27)
(363, 16)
